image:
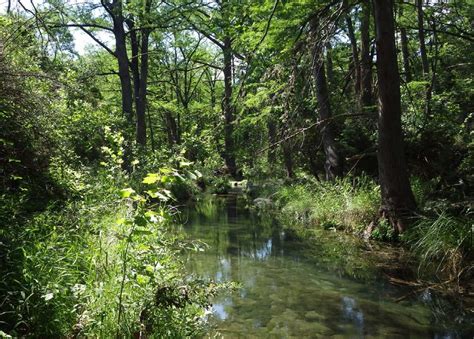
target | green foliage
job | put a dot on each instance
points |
(384, 231)
(350, 204)
(96, 266)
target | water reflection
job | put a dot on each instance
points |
(290, 291)
(351, 312)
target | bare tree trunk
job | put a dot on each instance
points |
(134, 65)
(272, 139)
(333, 165)
(228, 110)
(421, 37)
(366, 59)
(405, 51)
(142, 93)
(124, 71)
(288, 158)
(355, 54)
(152, 134)
(329, 64)
(398, 202)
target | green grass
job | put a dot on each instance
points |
(349, 204)
(443, 243)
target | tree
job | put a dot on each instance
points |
(421, 37)
(333, 165)
(405, 50)
(398, 202)
(366, 57)
(216, 24)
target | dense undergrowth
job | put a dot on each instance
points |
(102, 265)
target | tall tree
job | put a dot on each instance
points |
(421, 36)
(405, 50)
(366, 57)
(355, 55)
(220, 33)
(333, 164)
(398, 201)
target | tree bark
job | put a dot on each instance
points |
(122, 60)
(366, 59)
(228, 110)
(272, 139)
(142, 93)
(405, 51)
(333, 164)
(398, 202)
(288, 159)
(355, 54)
(421, 37)
(329, 65)
(134, 64)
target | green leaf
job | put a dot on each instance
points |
(142, 279)
(198, 174)
(151, 178)
(185, 163)
(142, 230)
(126, 192)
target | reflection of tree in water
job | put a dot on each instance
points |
(352, 313)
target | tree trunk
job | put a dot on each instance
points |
(142, 93)
(405, 51)
(272, 139)
(122, 59)
(288, 158)
(228, 110)
(398, 202)
(329, 65)
(366, 59)
(333, 165)
(421, 37)
(135, 47)
(355, 54)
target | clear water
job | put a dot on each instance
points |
(290, 290)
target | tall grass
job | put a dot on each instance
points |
(443, 243)
(349, 203)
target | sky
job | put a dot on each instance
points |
(82, 42)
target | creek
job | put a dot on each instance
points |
(291, 289)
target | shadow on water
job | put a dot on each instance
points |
(290, 289)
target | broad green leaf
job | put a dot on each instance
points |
(151, 178)
(126, 192)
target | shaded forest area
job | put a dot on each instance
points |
(348, 115)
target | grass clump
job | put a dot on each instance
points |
(443, 243)
(348, 204)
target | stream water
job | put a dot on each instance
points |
(289, 289)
